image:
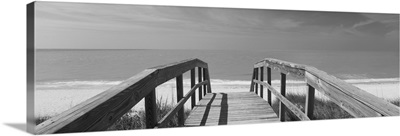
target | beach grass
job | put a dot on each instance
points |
(395, 101)
(323, 109)
(136, 119)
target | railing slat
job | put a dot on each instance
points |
(282, 109)
(285, 101)
(294, 69)
(269, 83)
(208, 78)
(205, 85)
(310, 102)
(192, 83)
(199, 75)
(151, 109)
(256, 85)
(262, 79)
(179, 94)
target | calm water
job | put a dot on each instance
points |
(68, 77)
(116, 65)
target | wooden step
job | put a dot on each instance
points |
(231, 108)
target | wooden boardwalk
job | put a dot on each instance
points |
(103, 110)
(231, 108)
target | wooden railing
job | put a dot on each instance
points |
(355, 101)
(101, 111)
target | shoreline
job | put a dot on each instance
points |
(54, 98)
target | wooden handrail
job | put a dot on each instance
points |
(285, 101)
(102, 110)
(180, 104)
(355, 101)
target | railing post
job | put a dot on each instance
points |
(252, 82)
(209, 81)
(192, 83)
(310, 101)
(151, 109)
(269, 82)
(256, 85)
(199, 74)
(262, 79)
(205, 85)
(179, 93)
(282, 108)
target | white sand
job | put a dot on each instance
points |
(51, 101)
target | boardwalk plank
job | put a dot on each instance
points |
(231, 108)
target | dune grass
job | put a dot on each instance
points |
(323, 109)
(136, 119)
(395, 101)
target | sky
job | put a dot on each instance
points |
(112, 26)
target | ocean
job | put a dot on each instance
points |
(72, 76)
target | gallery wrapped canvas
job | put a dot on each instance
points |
(102, 67)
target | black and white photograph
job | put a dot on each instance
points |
(102, 67)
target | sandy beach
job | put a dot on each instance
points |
(52, 99)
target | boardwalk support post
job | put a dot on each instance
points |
(310, 101)
(252, 82)
(199, 74)
(256, 77)
(179, 93)
(282, 108)
(262, 79)
(192, 83)
(151, 109)
(209, 80)
(269, 83)
(204, 79)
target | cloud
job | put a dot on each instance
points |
(280, 27)
(286, 23)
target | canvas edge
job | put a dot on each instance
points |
(30, 65)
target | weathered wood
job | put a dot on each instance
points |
(269, 83)
(208, 78)
(205, 85)
(261, 79)
(260, 64)
(102, 110)
(252, 78)
(179, 94)
(151, 109)
(256, 85)
(282, 108)
(199, 75)
(366, 102)
(285, 101)
(179, 105)
(231, 108)
(352, 106)
(192, 84)
(352, 99)
(310, 102)
(289, 68)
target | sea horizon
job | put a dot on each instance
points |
(72, 76)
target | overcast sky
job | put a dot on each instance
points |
(110, 26)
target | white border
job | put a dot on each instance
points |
(13, 71)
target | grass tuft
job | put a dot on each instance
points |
(323, 109)
(136, 119)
